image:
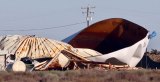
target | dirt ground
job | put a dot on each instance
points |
(92, 75)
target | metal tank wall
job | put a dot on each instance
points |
(109, 35)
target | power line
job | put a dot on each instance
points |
(44, 28)
(88, 13)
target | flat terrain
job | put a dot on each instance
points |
(92, 75)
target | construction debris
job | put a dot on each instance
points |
(28, 53)
(119, 40)
(47, 53)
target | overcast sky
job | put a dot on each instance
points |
(22, 15)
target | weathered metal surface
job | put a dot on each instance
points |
(37, 48)
(30, 46)
(109, 35)
(112, 41)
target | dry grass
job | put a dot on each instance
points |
(82, 76)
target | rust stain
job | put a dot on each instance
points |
(109, 35)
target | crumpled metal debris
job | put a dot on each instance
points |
(47, 53)
(114, 40)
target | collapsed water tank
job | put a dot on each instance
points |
(109, 35)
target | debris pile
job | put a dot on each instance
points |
(112, 43)
(43, 54)
(119, 40)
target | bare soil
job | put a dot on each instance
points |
(92, 75)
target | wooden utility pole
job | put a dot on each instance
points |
(88, 13)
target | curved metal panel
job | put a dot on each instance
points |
(109, 35)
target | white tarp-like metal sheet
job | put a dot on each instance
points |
(130, 55)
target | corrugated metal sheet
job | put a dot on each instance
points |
(30, 46)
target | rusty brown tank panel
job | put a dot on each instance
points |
(109, 35)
